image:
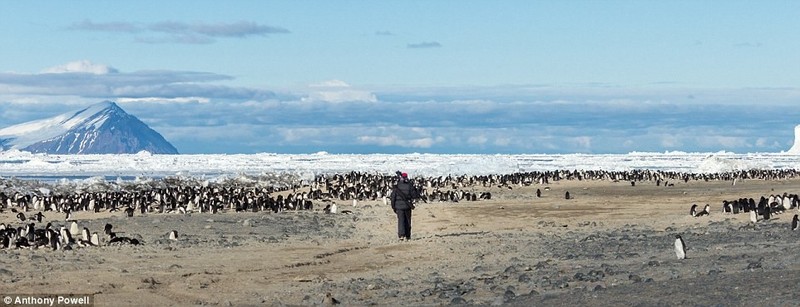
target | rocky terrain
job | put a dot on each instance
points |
(611, 244)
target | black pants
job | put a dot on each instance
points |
(404, 223)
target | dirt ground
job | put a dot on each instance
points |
(610, 245)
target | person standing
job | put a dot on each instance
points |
(403, 195)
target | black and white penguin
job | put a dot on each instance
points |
(39, 216)
(122, 240)
(68, 215)
(21, 216)
(85, 234)
(55, 241)
(566, 195)
(329, 300)
(129, 212)
(538, 193)
(680, 247)
(173, 235)
(706, 211)
(30, 232)
(95, 240)
(795, 223)
(66, 236)
(693, 210)
(330, 208)
(107, 229)
(767, 212)
(753, 216)
(73, 228)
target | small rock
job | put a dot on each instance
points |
(458, 301)
(509, 295)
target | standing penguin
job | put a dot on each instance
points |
(795, 223)
(693, 210)
(753, 216)
(538, 193)
(680, 247)
(566, 195)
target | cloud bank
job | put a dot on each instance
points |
(200, 115)
(424, 45)
(180, 32)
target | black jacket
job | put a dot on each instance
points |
(403, 195)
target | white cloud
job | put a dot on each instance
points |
(342, 96)
(180, 32)
(83, 66)
(502, 142)
(670, 141)
(163, 100)
(330, 83)
(394, 140)
(583, 141)
(89, 80)
(477, 140)
(337, 91)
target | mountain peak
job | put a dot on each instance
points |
(99, 128)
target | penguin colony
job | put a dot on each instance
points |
(176, 197)
(764, 209)
(59, 238)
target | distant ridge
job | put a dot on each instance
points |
(102, 128)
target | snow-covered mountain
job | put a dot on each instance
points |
(102, 128)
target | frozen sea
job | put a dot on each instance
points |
(25, 165)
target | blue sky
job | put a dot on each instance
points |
(416, 76)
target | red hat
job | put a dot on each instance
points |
(404, 175)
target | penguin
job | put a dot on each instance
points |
(39, 216)
(68, 215)
(680, 247)
(538, 193)
(30, 232)
(66, 236)
(55, 241)
(753, 216)
(85, 234)
(795, 223)
(767, 212)
(107, 229)
(129, 212)
(705, 211)
(95, 239)
(329, 300)
(693, 210)
(330, 208)
(173, 235)
(122, 240)
(566, 195)
(73, 228)
(21, 217)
